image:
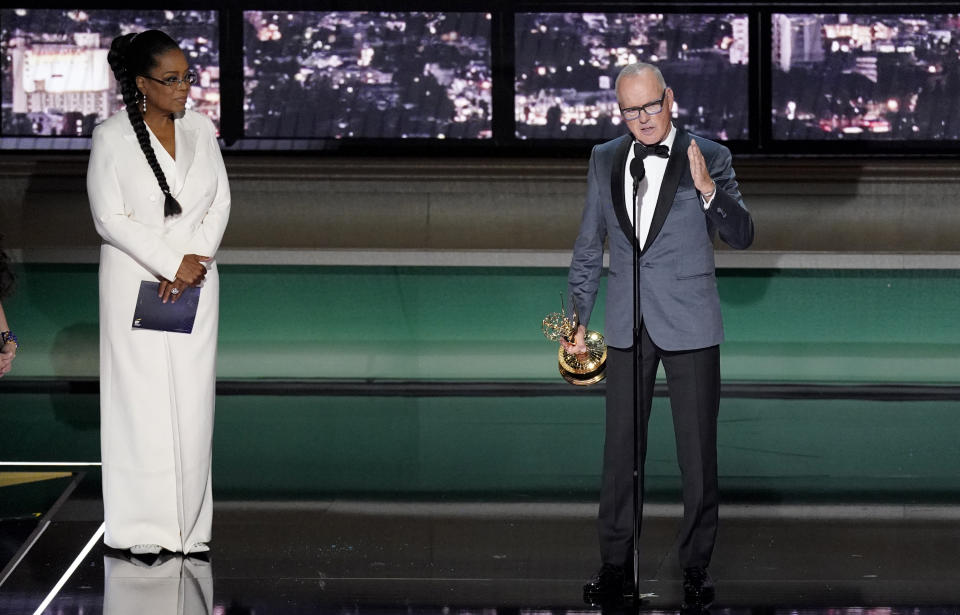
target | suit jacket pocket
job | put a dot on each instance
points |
(698, 265)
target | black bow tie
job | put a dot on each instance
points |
(641, 151)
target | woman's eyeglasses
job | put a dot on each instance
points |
(174, 82)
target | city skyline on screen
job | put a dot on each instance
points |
(566, 65)
(310, 78)
(846, 76)
(56, 81)
(335, 75)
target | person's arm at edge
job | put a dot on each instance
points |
(9, 350)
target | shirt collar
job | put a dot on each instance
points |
(670, 137)
(668, 141)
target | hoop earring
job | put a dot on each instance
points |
(144, 107)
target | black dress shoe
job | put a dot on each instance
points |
(610, 585)
(698, 592)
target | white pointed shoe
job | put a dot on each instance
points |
(148, 549)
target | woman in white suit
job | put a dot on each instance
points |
(160, 200)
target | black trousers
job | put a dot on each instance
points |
(693, 381)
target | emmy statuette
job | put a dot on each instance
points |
(577, 369)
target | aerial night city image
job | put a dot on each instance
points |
(866, 77)
(566, 64)
(333, 75)
(56, 80)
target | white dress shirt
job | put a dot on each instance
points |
(649, 188)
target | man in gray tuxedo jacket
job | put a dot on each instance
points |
(686, 195)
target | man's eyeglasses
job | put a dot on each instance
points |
(174, 82)
(651, 108)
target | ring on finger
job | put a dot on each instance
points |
(174, 291)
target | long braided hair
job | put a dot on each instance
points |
(132, 55)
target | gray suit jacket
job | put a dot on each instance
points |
(678, 300)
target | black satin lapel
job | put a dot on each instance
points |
(617, 178)
(676, 167)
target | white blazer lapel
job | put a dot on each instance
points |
(186, 150)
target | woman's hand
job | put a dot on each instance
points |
(171, 291)
(192, 270)
(7, 354)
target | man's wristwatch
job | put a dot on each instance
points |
(8, 336)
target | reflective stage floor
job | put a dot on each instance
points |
(349, 556)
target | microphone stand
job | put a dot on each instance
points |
(638, 172)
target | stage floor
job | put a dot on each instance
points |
(350, 556)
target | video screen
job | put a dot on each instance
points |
(396, 75)
(567, 63)
(56, 81)
(851, 76)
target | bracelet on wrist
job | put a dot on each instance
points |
(8, 336)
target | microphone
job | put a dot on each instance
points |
(637, 170)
